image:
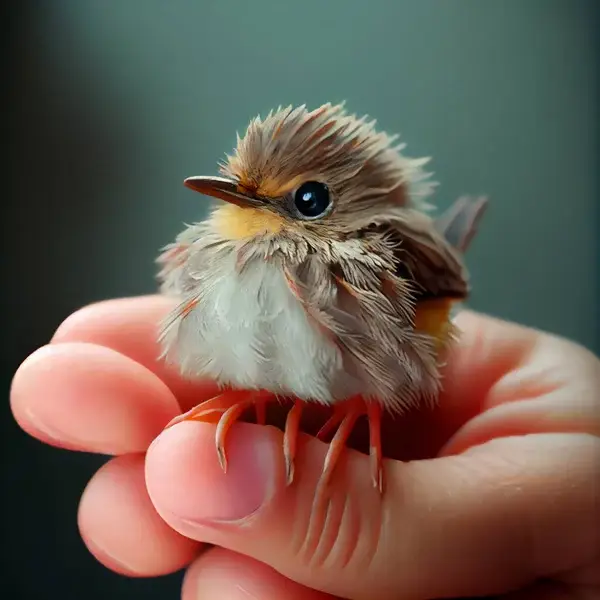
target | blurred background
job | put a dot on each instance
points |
(109, 105)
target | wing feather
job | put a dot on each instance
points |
(370, 314)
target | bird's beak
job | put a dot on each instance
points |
(219, 187)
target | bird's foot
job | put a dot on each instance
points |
(344, 417)
(224, 410)
(228, 407)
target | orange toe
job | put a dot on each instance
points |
(290, 439)
(224, 410)
(343, 420)
(228, 407)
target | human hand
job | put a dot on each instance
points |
(505, 499)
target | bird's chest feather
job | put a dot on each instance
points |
(244, 326)
(242, 323)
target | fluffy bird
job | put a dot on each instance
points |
(319, 276)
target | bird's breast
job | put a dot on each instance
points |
(246, 328)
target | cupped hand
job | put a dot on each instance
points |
(504, 498)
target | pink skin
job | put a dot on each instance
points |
(508, 497)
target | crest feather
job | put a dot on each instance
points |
(328, 144)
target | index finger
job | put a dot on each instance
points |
(130, 326)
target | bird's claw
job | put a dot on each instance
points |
(227, 408)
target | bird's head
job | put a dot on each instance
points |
(322, 172)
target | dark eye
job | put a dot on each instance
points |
(312, 199)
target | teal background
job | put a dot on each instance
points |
(114, 103)
(502, 94)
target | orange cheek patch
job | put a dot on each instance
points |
(237, 223)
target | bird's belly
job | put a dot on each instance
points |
(248, 330)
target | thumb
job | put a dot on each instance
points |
(487, 521)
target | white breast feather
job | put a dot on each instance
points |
(250, 331)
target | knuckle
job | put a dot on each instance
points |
(340, 534)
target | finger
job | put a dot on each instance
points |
(438, 531)
(121, 528)
(130, 326)
(86, 397)
(551, 590)
(535, 383)
(221, 573)
(487, 348)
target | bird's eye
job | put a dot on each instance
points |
(312, 199)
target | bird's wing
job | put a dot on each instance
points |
(430, 251)
(367, 311)
(385, 300)
(426, 258)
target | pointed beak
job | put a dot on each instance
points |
(219, 187)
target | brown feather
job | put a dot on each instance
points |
(376, 276)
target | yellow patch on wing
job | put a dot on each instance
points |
(237, 223)
(433, 318)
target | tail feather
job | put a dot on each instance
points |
(460, 222)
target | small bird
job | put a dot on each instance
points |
(320, 276)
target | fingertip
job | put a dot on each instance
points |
(130, 326)
(26, 390)
(88, 319)
(86, 397)
(121, 528)
(187, 483)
